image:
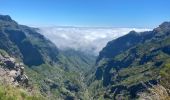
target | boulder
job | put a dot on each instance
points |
(13, 73)
(10, 63)
(1, 57)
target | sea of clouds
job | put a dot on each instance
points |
(89, 40)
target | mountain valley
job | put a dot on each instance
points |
(129, 67)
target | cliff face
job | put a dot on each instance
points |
(25, 43)
(129, 61)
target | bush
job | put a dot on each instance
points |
(165, 76)
(8, 92)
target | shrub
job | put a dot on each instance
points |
(8, 92)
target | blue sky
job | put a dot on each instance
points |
(92, 13)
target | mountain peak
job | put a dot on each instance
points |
(5, 18)
(165, 24)
(163, 28)
(133, 32)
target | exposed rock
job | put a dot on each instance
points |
(157, 92)
(9, 63)
(5, 18)
(12, 72)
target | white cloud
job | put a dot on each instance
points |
(90, 40)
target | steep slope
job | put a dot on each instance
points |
(14, 83)
(77, 60)
(55, 73)
(122, 44)
(25, 43)
(132, 63)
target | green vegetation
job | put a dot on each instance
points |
(165, 76)
(128, 67)
(8, 92)
(124, 65)
(3, 53)
(54, 82)
(56, 74)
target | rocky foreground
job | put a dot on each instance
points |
(12, 72)
(14, 83)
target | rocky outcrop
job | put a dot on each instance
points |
(12, 72)
(157, 92)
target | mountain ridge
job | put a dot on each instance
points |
(131, 59)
